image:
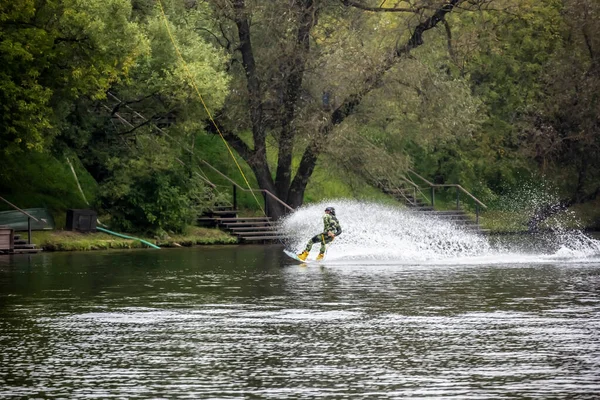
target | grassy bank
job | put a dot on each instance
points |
(59, 240)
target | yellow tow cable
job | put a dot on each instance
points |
(193, 82)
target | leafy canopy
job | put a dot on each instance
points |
(54, 52)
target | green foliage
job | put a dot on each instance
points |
(152, 193)
(76, 50)
(512, 95)
(54, 52)
(143, 187)
(561, 134)
(502, 56)
(161, 75)
(513, 46)
(330, 181)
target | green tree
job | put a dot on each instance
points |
(54, 52)
(149, 192)
(535, 67)
(502, 52)
(118, 140)
(562, 132)
(302, 69)
(78, 76)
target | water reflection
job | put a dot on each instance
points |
(245, 322)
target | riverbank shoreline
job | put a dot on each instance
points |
(60, 240)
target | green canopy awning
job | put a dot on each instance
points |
(18, 221)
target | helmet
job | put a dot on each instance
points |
(331, 210)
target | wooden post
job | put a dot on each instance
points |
(477, 213)
(432, 197)
(7, 238)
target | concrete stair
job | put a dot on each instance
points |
(246, 229)
(252, 229)
(458, 216)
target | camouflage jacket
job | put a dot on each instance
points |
(331, 224)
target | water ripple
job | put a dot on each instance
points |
(242, 330)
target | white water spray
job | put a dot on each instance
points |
(378, 232)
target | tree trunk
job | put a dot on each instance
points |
(284, 187)
(295, 67)
(349, 105)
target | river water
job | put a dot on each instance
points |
(245, 322)
(404, 306)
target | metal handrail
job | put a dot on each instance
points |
(459, 189)
(18, 209)
(475, 199)
(277, 199)
(420, 177)
(415, 188)
(203, 161)
(29, 217)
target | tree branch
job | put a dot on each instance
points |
(355, 4)
(215, 37)
(595, 63)
(350, 104)
(134, 128)
(127, 103)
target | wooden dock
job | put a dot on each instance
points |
(13, 244)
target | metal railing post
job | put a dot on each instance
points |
(266, 203)
(478, 203)
(476, 213)
(234, 197)
(457, 198)
(273, 197)
(29, 217)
